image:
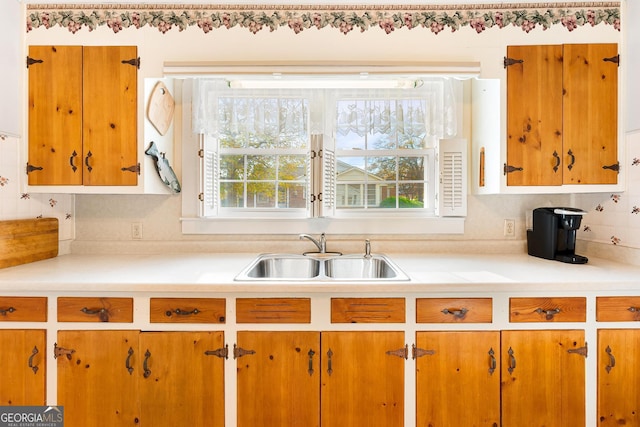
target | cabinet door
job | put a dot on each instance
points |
(458, 379)
(279, 379)
(618, 373)
(55, 115)
(110, 115)
(181, 380)
(590, 113)
(22, 367)
(543, 378)
(534, 115)
(95, 385)
(362, 379)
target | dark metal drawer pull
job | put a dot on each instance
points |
(5, 311)
(512, 361)
(102, 313)
(458, 313)
(180, 312)
(549, 314)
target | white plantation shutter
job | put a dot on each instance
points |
(328, 183)
(210, 174)
(452, 186)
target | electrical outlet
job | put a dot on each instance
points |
(509, 228)
(136, 230)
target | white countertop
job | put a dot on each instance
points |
(201, 273)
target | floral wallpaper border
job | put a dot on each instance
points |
(345, 18)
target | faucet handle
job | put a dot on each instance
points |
(367, 248)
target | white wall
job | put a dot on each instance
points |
(108, 218)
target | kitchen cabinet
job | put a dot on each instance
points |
(333, 378)
(618, 362)
(132, 378)
(618, 371)
(543, 377)
(82, 115)
(278, 376)
(23, 361)
(22, 367)
(457, 378)
(562, 114)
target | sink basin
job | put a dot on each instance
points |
(283, 267)
(374, 267)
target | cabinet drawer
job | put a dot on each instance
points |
(95, 309)
(618, 309)
(273, 310)
(563, 309)
(454, 310)
(187, 310)
(368, 310)
(23, 309)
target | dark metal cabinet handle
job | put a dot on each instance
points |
(145, 364)
(492, 361)
(311, 353)
(512, 361)
(127, 362)
(72, 160)
(573, 159)
(612, 360)
(86, 161)
(557, 159)
(31, 365)
(329, 362)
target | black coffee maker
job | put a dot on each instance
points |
(554, 234)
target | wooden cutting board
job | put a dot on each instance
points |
(160, 108)
(27, 240)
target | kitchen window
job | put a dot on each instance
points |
(330, 154)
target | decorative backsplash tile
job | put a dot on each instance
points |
(14, 204)
(615, 218)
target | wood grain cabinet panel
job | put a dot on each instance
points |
(23, 367)
(83, 115)
(562, 114)
(562, 309)
(95, 309)
(23, 309)
(187, 310)
(368, 310)
(618, 309)
(454, 310)
(273, 310)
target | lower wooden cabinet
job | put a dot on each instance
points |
(500, 378)
(22, 367)
(543, 378)
(133, 378)
(618, 373)
(326, 379)
(457, 378)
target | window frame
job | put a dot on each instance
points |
(263, 222)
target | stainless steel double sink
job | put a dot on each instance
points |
(292, 267)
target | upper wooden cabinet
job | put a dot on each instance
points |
(83, 115)
(562, 114)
